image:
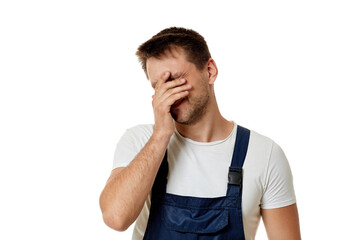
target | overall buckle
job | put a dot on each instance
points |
(235, 176)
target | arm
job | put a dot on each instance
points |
(278, 207)
(126, 191)
(127, 188)
(282, 223)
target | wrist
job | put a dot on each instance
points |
(161, 136)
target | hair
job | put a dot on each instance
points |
(191, 42)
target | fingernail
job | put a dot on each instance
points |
(182, 80)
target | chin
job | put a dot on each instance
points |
(183, 119)
(179, 117)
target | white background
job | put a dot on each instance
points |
(71, 85)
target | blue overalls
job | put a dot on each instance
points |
(174, 217)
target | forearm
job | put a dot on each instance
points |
(125, 192)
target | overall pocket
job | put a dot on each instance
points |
(193, 220)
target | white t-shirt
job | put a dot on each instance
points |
(200, 169)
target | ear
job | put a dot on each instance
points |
(212, 71)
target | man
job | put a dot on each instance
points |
(193, 174)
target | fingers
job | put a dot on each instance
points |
(164, 104)
(177, 96)
(166, 93)
(158, 97)
(174, 83)
(165, 76)
(163, 87)
(174, 91)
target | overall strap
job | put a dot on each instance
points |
(159, 187)
(235, 170)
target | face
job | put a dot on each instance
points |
(190, 109)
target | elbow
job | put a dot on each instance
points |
(113, 216)
(115, 222)
(115, 219)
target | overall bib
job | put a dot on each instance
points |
(174, 217)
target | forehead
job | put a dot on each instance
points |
(174, 62)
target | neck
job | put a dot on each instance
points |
(212, 126)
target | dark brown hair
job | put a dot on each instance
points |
(191, 42)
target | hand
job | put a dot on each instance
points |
(166, 93)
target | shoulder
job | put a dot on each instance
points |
(265, 158)
(276, 179)
(140, 132)
(257, 158)
(130, 144)
(268, 172)
(265, 149)
(260, 140)
(260, 146)
(134, 138)
(141, 129)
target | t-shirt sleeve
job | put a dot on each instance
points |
(130, 144)
(279, 189)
